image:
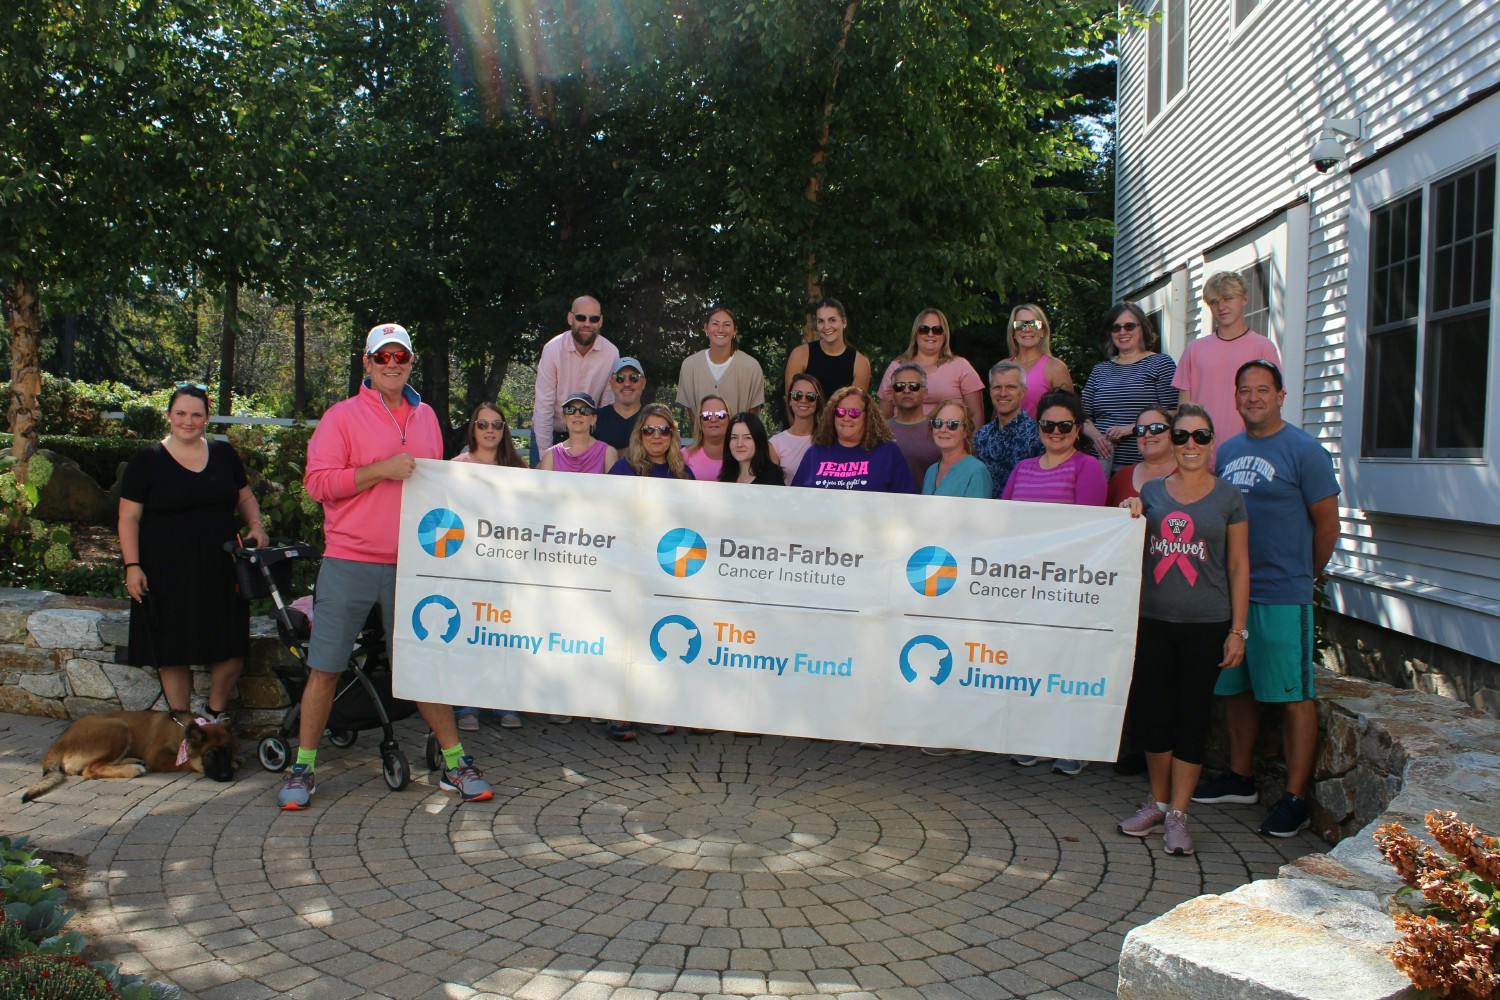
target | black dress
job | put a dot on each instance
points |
(187, 519)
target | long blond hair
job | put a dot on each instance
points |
(635, 451)
(945, 353)
(1010, 328)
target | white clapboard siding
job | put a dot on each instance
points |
(1233, 150)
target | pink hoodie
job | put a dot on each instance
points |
(355, 432)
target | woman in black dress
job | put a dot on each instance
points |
(178, 499)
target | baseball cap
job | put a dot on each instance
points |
(387, 333)
(582, 397)
(627, 363)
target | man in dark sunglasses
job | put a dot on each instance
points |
(617, 421)
(908, 422)
(577, 360)
(1291, 496)
(356, 460)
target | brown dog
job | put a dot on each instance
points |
(127, 744)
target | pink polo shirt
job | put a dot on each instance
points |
(562, 370)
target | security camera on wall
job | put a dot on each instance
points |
(1328, 152)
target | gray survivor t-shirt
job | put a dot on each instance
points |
(1184, 578)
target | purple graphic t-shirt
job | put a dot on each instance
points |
(1185, 576)
(835, 467)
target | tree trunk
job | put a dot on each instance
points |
(25, 370)
(299, 359)
(226, 348)
(814, 289)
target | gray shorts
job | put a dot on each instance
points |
(346, 592)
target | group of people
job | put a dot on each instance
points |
(1241, 507)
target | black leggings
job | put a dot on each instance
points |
(1176, 665)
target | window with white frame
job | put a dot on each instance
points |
(1166, 55)
(1243, 9)
(1257, 279)
(1431, 275)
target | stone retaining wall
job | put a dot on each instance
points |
(1323, 930)
(57, 659)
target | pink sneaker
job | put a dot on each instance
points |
(1178, 840)
(1146, 821)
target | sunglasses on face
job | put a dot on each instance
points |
(632, 378)
(1026, 324)
(575, 409)
(655, 430)
(848, 411)
(190, 385)
(1056, 426)
(906, 386)
(586, 318)
(400, 356)
(489, 425)
(1125, 328)
(797, 396)
(929, 329)
(952, 425)
(714, 415)
(1203, 436)
(1142, 430)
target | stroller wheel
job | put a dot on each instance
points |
(393, 768)
(434, 755)
(342, 738)
(274, 754)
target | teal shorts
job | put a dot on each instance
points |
(1278, 663)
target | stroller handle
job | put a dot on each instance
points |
(278, 545)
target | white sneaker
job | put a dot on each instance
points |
(561, 720)
(510, 720)
(468, 722)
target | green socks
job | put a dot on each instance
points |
(308, 757)
(453, 756)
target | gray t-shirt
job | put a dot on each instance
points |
(1184, 577)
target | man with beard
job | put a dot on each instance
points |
(576, 360)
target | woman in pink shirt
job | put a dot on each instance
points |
(948, 375)
(710, 430)
(581, 451)
(1030, 337)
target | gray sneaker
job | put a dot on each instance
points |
(1146, 821)
(299, 788)
(465, 780)
(1178, 840)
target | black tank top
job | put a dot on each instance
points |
(833, 373)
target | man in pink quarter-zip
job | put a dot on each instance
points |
(361, 451)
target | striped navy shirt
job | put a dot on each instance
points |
(1115, 394)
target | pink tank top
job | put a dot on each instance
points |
(591, 460)
(1036, 384)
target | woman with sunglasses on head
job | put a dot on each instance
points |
(804, 402)
(853, 449)
(1151, 437)
(710, 429)
(580, 451)
(178, 501)
(948, 375)
(750, 459)
(654, 449)
(957, 473)
(489, 444)
(1030, 336)
(1133, 378)
(1195, 596)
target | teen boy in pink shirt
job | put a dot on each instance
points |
(1205, 372)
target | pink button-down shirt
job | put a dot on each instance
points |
(562, 370)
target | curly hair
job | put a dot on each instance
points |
(876, 431)
(635, 450)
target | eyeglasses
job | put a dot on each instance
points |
(632, 378)
(398, 357)
(1125, 328)
(1202, 435)
(797, 396)
(1142, 430)
(586, 318)
(489, 425)
(714, 415)
(952, 425)
(906, 386)
(1026, 324)
(848, 411)
(655, 430)
(929, 329)
(1056, 426)
(573, 409)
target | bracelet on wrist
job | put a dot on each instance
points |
(129, 565)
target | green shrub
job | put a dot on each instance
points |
(100, 457)
(145, 421)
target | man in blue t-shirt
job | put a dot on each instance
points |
(1291, 496)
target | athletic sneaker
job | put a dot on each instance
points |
(510, 720)
(620, 732)
(299, 788)
(1146, 821)
(1227, 787)
(661, 730)
(1288, 818)
(1065, 765)
(561, 720)
(465, 780)
(1178, 840)
(468, 721)
(1024, 761)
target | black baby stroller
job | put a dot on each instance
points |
(364, 699)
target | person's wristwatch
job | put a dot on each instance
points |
(1243, 633)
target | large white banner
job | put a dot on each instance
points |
(927, 621)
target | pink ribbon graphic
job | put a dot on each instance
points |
(1177, 532)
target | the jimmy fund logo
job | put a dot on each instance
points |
(436, 617)
(928, 656)
(677, 638)
(681, 552)
(440, 532)
(931, 571)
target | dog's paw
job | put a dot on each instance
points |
(139, 766)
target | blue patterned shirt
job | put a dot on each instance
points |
(1001, 449)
